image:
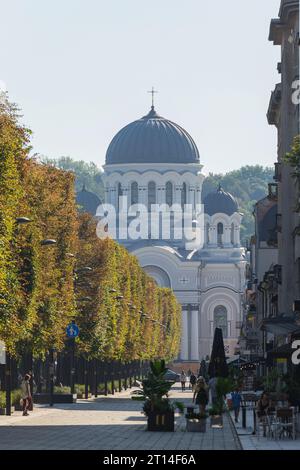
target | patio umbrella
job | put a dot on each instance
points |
(218, 366)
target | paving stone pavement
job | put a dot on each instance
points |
(107, 423)
(253, 442)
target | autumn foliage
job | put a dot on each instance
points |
(42, 288)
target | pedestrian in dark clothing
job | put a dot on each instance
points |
(193, 380)
(183, 380)
(26, 394)
(201, 395)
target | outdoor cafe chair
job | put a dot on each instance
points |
(263, 423)
(283, 424)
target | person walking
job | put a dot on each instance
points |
(200, 396)
(193, 380)
(26, 394)
(236, 398)
(183, 380)
(263, 405)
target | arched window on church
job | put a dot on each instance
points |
(220, 231)
(169, 193)
(151, 194)
(220, 319)
(183, 195)
(134, 193)
(119, 194)
(232, 234)
(207, 233)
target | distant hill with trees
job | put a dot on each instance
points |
(247, 184)
(88, 174)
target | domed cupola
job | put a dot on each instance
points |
(87, 201)
(152, 139)
(220, 202)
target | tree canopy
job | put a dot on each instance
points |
(95, 282)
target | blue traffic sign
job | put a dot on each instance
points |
(72, 330)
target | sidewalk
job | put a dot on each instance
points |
(252, 442)
(107, 423)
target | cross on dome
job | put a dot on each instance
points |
(152, 93)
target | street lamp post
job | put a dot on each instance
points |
(72, 365)
(50, 242)
(51, 374)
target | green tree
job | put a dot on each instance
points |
(88, 174)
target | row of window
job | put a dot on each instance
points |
(134, 193)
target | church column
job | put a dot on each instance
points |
(112, 196)
(195, 335)
(107, 199)
(159, 194)
(213, 236)
(125, 192)
(143, 195)
(184, 350)
(227, 235)
(198, 197)
(177, 198)
(237, 239)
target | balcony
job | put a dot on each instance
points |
(273, 190)
(277, 175)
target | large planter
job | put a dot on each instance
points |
(44, 398)
(158, 421)
(216, 421)
(196, 425)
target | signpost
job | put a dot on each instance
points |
(72, 332)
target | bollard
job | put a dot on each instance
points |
(254, 421)
(244, 410)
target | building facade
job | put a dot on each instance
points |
(155, 161)
(274, 274)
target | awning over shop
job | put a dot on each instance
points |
(296, 334)
(235, 360)
(281, 325)
(284, 351)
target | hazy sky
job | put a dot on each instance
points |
(80, 70)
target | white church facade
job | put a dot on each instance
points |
(155, 161)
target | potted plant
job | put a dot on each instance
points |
(196, 422)
(157, 407)
(16, 399)
(137, 395)
(216, 417)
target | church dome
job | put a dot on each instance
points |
(152, 139)
(220, 202)
(87, 201)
